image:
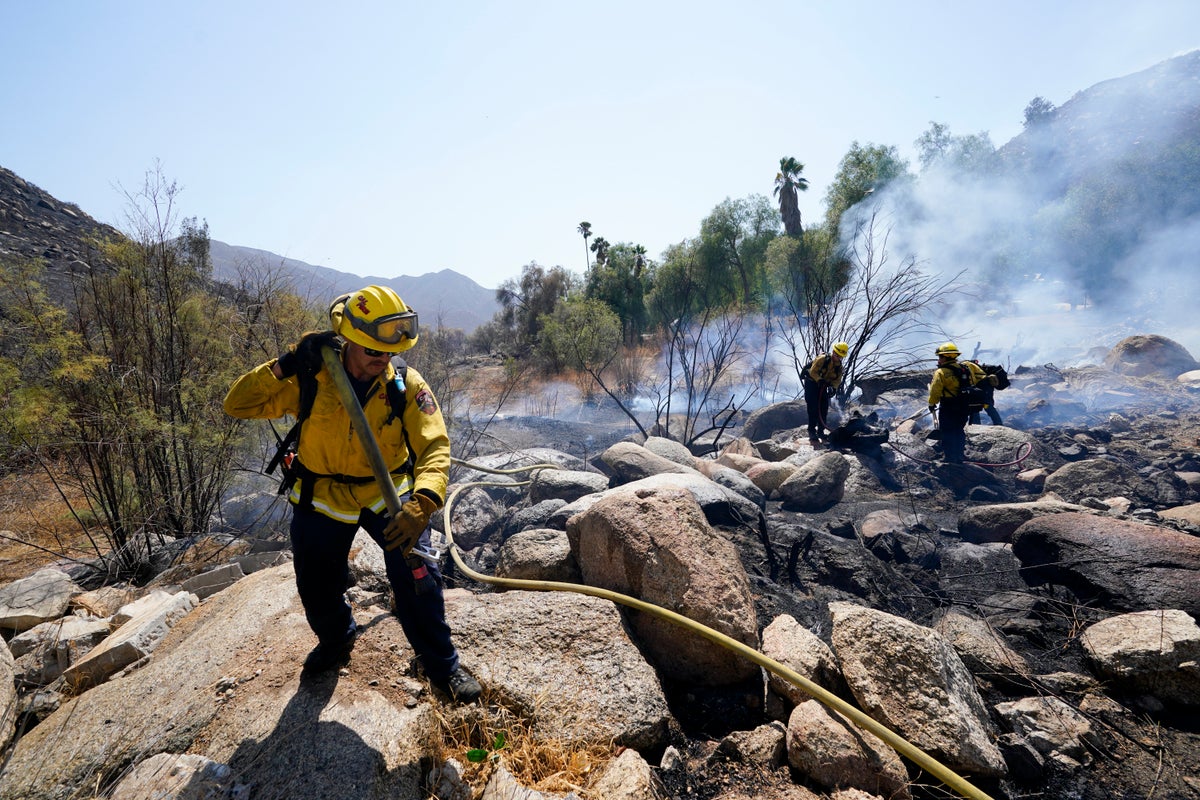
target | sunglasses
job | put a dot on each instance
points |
(378, 353)
(391, 329)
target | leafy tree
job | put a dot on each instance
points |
(39, 350)
(972, 154)
(933, 144)
(441, 358)
(863, 170)
(524, 302)
(142, 431)
(732, 248)
(585, 230)
(273, 314)
(620, 282)
(667, 297)
(585, 334)
(1038, 112)
(789, 181)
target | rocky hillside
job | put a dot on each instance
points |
(1024, 625)
(37, 226)
(1147, 112)
(34, 225)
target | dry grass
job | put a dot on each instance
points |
(499, 735)
(36, 525)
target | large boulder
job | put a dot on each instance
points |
(1098, 478)
(8, 698)
(658, 547)
(1149, 355)
(44, 651)
(565, 484)
(670, 450)
(142, 629)
(168, 776)
(226, 684)
(1126, 566)
(631, 462)
(824, 746)
(720, 505)
(765, 421)
(982, 648)
(1056, 731)
(582, 688)
(540, 554)
(817, 485)
(910, 678)
(998, 521)
(799, 649)
(1155, 652)
(43, 596)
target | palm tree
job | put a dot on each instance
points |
(585, 230)
(600, 248)
(787, 183)
(639, 260)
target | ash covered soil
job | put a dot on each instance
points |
(1139, 748)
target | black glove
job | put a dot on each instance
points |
(305, 355)
(830, 391)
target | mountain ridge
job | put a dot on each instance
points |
(443, 299)
(36, 226)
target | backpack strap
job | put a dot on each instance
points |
(397, 395)
(285, 455)
(964, 377)
(397, 390)
(293, 470)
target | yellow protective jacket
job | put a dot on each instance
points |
(330, 446)
(945, 383)
(824, 370)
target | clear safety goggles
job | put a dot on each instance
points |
(391, 329)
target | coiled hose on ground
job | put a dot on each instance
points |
(902, 746)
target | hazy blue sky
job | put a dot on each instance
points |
(399, 138)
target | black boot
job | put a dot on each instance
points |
(327, 655)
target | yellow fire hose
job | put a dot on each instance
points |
(830, 700)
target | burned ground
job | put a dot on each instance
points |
(800, 562)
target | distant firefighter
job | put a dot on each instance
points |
(821, 379)
(997, 378)
(952, 394)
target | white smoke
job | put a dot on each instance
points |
(1019, 255)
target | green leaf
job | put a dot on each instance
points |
(499, 742)
(476, 755)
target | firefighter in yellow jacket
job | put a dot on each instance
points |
(821, 381)
(948, 399)
(335, 492)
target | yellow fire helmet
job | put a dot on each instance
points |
(376, 318)
(949, 350)
(841, 349)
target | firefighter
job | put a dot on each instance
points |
(950, 401)
(821, 380)
(989, 398)
(336, 492)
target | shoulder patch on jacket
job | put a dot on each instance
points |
(425, 402)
